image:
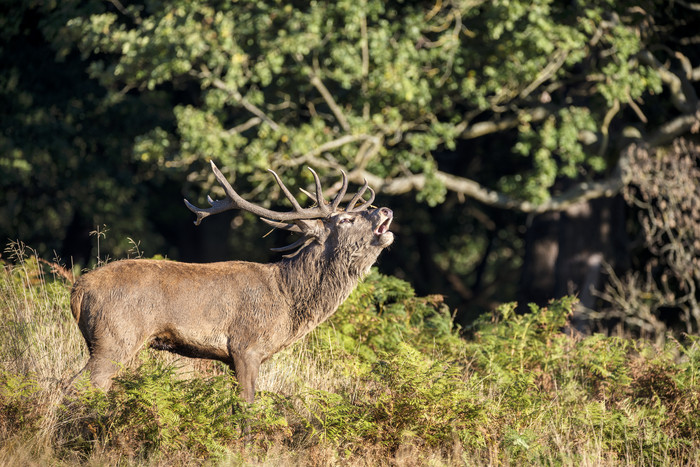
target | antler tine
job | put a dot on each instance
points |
(282, 225)
(235, 201)
(351, 205)
(367, 203)
(320, 199)
(307, 193)
(294, 245)
(339, 197)
(287, 193)
(202, 213)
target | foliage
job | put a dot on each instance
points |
(383, 313)
(518, 390)
(65, 166)
(611, 384)
(406, 398)
(665, 194)
(17, 410)
(151, 410)
(382, 85)
(35, 316)
(113, 111)
(522, 346)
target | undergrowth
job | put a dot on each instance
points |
(388, 380)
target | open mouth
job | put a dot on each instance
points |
(383, 227)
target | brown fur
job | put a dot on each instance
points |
(237, 312)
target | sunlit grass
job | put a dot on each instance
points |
(385, 382)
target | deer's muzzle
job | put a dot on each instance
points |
(383, 218)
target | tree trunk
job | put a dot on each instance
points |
(565, 251)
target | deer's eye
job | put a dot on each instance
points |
(346, 220)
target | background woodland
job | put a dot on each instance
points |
(539, 305)
(529, 149)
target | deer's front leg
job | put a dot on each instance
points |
(247, 365)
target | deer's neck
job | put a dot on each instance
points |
(317, 282)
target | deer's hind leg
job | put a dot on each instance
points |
(100, 369)
(106, 359)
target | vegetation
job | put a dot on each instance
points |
(386, 381)
(529, 150)
(470, 115)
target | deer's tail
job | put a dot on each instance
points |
(76, 301)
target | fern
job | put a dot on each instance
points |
(391, 379)
(383, 313)
(152, 408)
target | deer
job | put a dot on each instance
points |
(237, 312)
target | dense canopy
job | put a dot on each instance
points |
(469, 117)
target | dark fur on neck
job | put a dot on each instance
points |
(318, 279)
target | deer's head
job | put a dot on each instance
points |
(358, 230)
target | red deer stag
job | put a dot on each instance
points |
(238, 312)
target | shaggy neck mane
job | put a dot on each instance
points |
(318, 281)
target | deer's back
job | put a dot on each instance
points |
(198, 304)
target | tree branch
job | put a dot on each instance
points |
(695, 74)
(682, 96)
(400, 185)
(484, 128)
(548, 71)
(364, 46)
(244, 126)
(580, 192)
(576, 194)
(604, 128)
(250, 107)
(308, 158)
(321, 88)
(690, 5)
(676, 127)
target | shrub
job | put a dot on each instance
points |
(383, 314)
(387, 379)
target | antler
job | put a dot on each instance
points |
(234, 201)
(292, 220)
(351, 205)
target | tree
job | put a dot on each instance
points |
(66, 169)
(524, 107)
(662, 289)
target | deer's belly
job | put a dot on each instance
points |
(191, 345)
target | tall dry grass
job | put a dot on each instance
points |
(38, 332)
(40, 341)
(385, 382)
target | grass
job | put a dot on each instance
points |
(386, 381)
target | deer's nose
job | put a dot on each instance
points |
(386, 212)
